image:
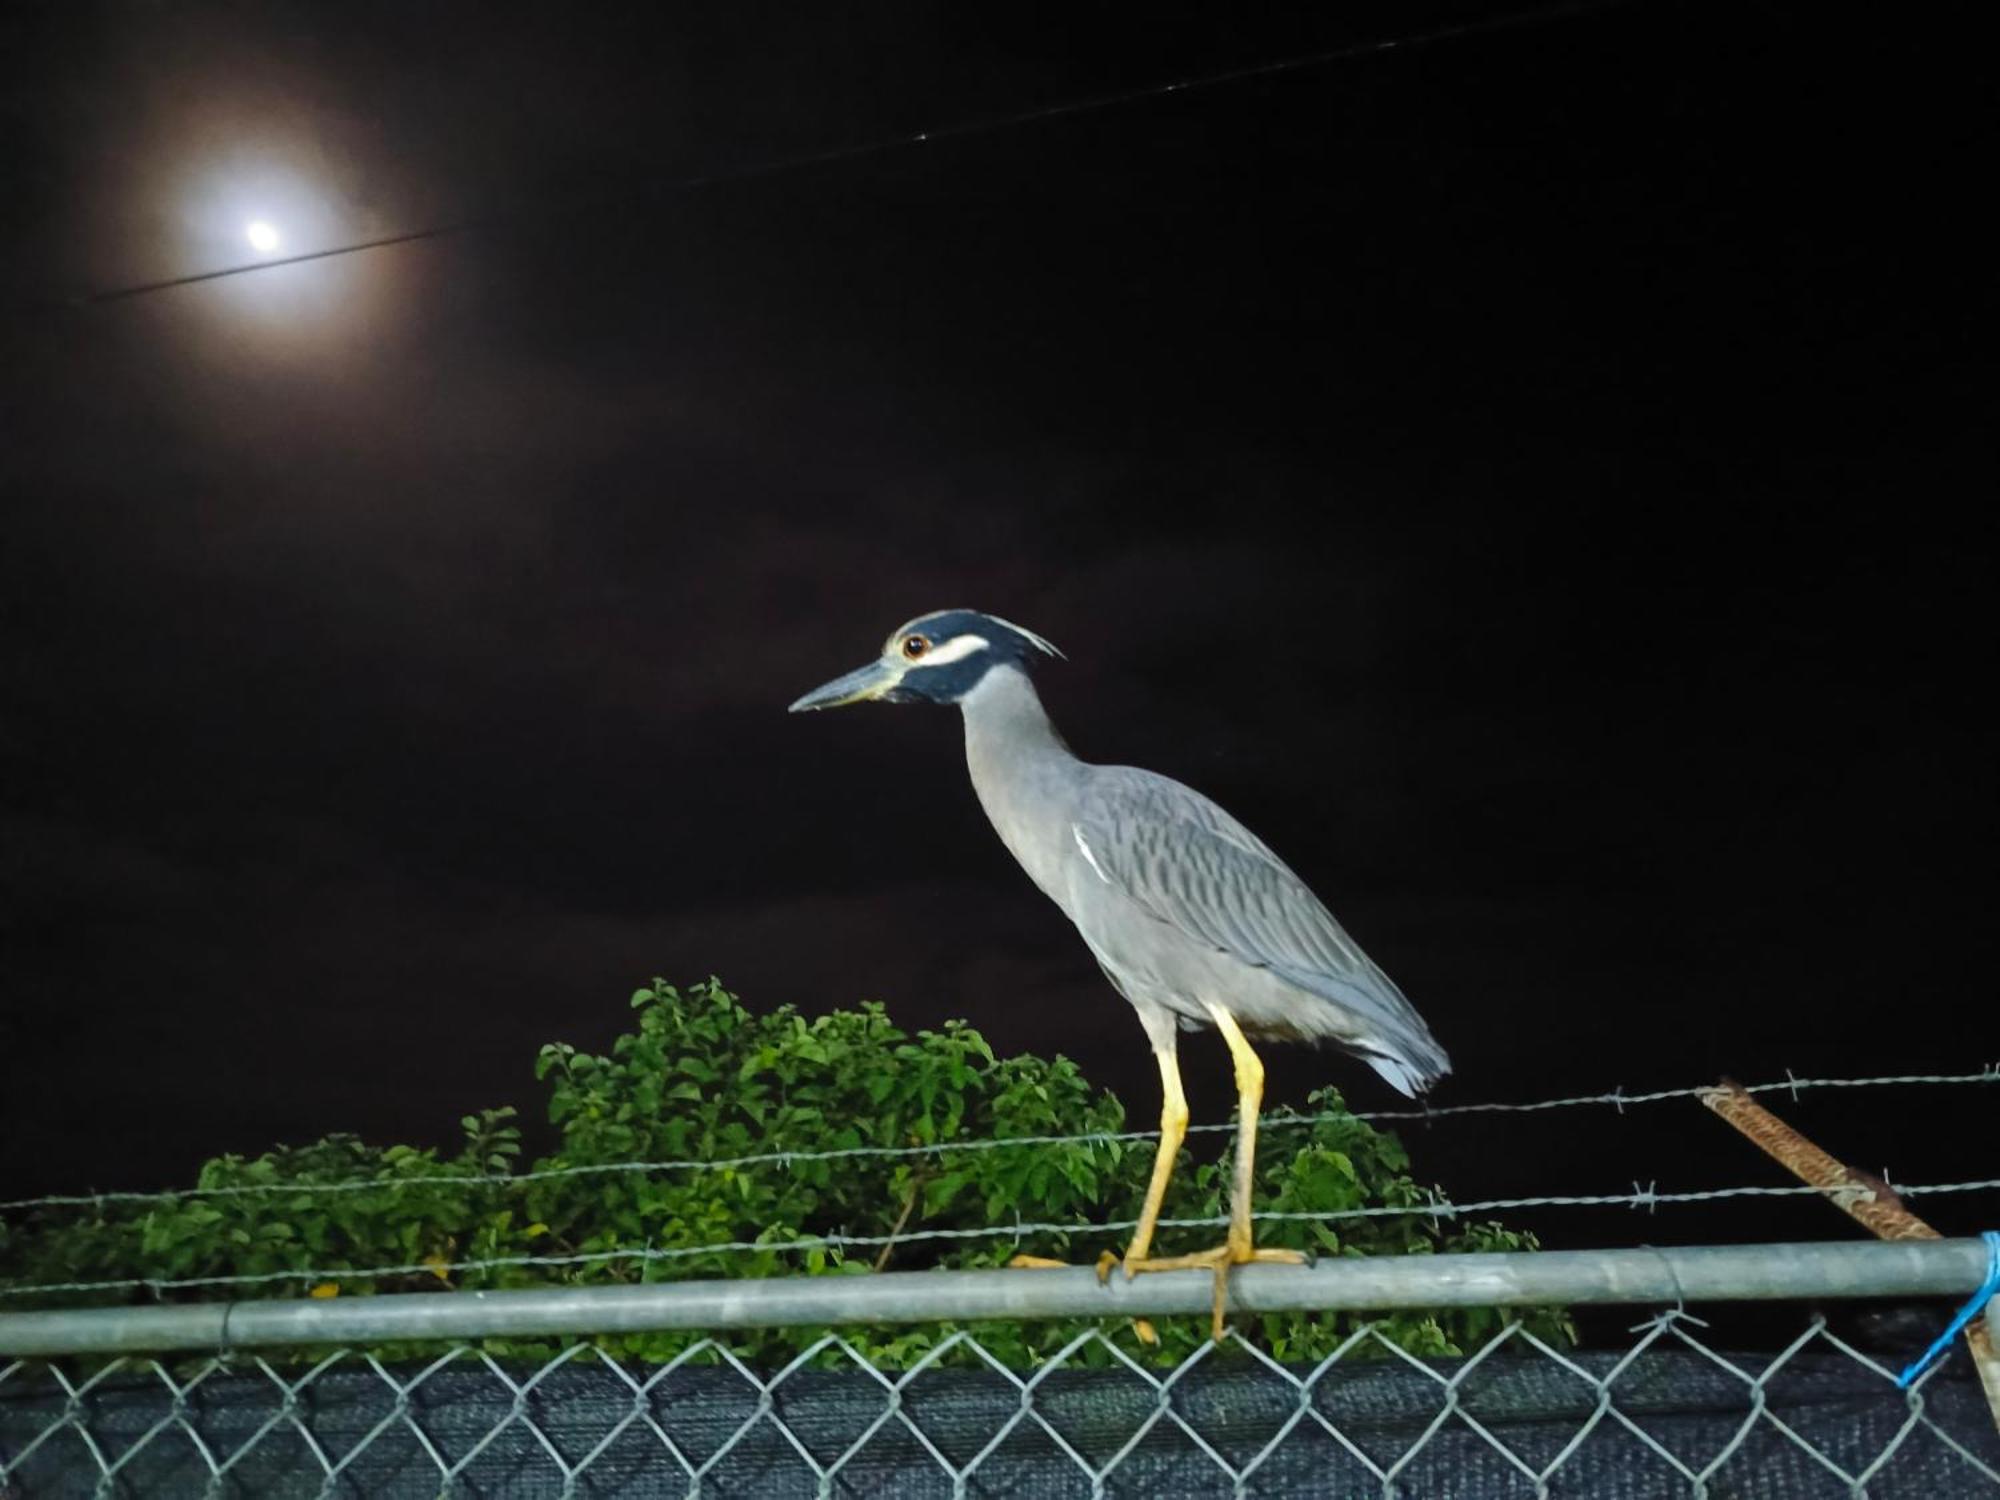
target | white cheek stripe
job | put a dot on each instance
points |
(1076, 833)
(956, 649)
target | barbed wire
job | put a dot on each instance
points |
(1618, 1098)
(1432, 1208)
(1278, 1120)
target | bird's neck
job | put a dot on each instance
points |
(1020, 768)
(1005, 721)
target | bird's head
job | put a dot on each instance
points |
(936, 658)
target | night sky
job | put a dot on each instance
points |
(1538, 478)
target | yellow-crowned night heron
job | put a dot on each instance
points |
(1193, 919)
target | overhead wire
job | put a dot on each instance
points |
(830, 155)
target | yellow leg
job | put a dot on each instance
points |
(1239, 1249)
(1249, 1104)
(1173, 1130)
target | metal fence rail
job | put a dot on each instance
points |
(1668, 1413)
(1647, 1276)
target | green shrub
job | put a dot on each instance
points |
(702, 1080)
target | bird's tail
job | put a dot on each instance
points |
(1371, 1018)
(1411, 1064)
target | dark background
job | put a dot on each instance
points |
(1536, 477)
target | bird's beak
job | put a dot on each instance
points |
(859, 686)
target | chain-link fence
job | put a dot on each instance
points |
(1668, 1416)
(1668, 1411)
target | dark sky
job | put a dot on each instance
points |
(1539, 479)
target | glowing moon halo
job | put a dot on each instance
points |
(262, 235)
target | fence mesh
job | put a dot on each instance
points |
(1670, 1415)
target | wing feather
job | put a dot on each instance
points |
(1188, 863)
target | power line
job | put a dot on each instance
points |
(1616, 1098)
(1515, 20)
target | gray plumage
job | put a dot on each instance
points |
(1193, 919)
(1181, 904)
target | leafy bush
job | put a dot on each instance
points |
(701, 1080)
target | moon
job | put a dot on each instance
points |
(262, 235)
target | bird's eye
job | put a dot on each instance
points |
(915, 646)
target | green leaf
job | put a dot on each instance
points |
(698, 1076)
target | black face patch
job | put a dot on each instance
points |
(944, 683)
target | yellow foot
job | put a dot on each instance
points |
(1140, 1326)
(1218, 1260)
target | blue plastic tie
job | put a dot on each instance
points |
(1988, 1289)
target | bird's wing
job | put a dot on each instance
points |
(1188, 863)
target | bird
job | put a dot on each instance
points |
(1191, 916)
